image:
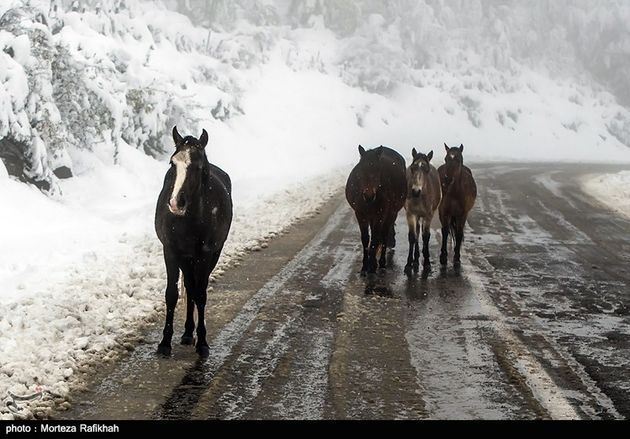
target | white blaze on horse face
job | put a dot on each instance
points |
(181, 161)
(452, 154)
(418, 180)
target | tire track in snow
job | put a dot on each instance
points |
(286, 378)
(543, 388)
(562, 239)
(194, 385)
(305, 394)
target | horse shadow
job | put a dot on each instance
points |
(380, 283)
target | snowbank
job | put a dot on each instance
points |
(611, 189)
(82, 275)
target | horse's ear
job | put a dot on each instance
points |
(361, 150)
(176, 137)
(446, 147)
(461, 148)
(429, 156)
(379, 151)
(203, 139)
(414, 153)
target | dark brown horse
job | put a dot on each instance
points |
(459, 192)
(192, 220)
(376, 190)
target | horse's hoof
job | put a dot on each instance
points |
(187, 340)
(408, 269)
(443, 259)
(457, 264)
(203, 351)
(164, 350)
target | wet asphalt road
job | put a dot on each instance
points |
(535, 325)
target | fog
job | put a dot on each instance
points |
(493, 73)
(570, 37)
(577, 37)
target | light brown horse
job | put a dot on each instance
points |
(459, 192)
(376, 191)
(423, 198)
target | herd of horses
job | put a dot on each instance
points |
(380, 185)
(194, 214)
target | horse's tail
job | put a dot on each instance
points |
(452, 228)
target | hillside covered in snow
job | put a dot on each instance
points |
(82, 80)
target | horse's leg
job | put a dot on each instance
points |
(459, 237)
(202, 273)
(416, 249)
(172, 276)
(445, 229)
(364, 225)
(382, 260)
(189, 326)
(411, 222)
(386, 234)
(189, 284)
(426, 237)
(375, 243)
(200, 300)
(391, 238)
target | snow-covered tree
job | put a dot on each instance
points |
(60, 94)
(32, 138)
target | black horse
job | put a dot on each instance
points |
(376, 190)
(192, 220)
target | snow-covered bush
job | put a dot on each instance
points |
(374, 59)
(619, 127)
(30, 137)
(90, 76)
(244, 49)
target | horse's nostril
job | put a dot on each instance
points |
(416, 193)
(181, 202)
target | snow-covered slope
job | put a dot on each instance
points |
(317, 75)
(611, 189)
(287, 90)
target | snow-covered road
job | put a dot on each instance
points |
(534, 326)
